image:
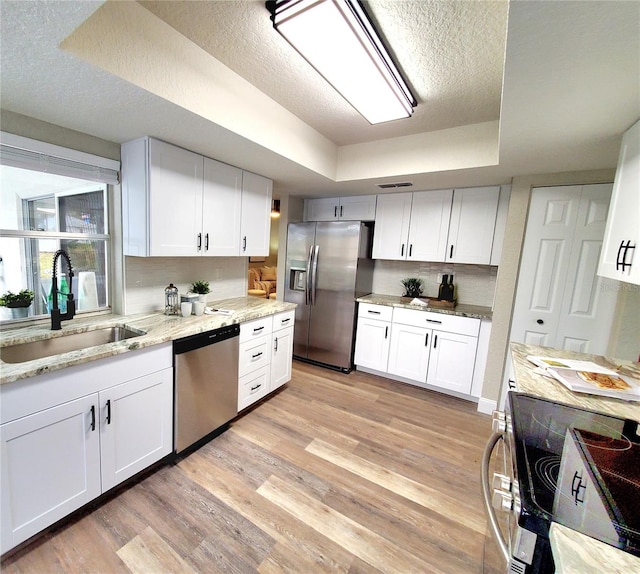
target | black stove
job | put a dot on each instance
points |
(576, 467)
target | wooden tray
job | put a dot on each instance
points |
(432, 302)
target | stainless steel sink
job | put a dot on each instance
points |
(72, 342)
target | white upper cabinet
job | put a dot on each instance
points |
(473, 220)
(390, 236)
(161, 198)
(453, 226)
(353, 208)
(221, 208)
(177, 203)
(255, 226)
(430, 213)
(619, 258)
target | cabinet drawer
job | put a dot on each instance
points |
(380, 312)
(254, 355)
(255, 329)
(253, 387)
(438, 321)
(283, 320)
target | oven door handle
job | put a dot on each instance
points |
(486, 493)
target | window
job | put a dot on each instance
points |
(43, 212)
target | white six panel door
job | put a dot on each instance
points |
(560, 302)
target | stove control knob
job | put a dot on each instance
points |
(502, 500)
(498, 421)
(501, 482)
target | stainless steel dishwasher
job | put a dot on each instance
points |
(206, 383)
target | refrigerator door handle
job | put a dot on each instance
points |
(307, 287)
(314, 273)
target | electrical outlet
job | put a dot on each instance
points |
(218, 272)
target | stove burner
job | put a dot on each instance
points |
(547, 468)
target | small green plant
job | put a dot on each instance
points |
(200, 287)
(13, 300)
(412, 287)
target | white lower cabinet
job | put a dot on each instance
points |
(423, 348)
(253, 386)
(136, 426)
(67, 437)
(266, 353)
(281, 357)
(409, 353)
(452, 361)
(50, 467)
(373, 336)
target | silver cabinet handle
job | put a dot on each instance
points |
(434, 321)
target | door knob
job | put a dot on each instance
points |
(540, 322)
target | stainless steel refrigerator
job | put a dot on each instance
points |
(328, 265)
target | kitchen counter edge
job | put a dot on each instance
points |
(157, 327)
(461, 310)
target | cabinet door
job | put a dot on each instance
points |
(175, 199)
(50, 467)
(358, 208)
(452, 361)
(409, 352)
(321, 209)
(391, 232)
(429, 227)
(620, 257)
(372, 344)
(281, 357)
(255, 227)
(136, 421)
(221, 209)
(473, 220)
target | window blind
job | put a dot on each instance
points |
(36, 161)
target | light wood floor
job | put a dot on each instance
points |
(335, 473)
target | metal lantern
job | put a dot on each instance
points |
(171, 300)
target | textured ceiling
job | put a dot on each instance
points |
(558, 89)
(452, 54)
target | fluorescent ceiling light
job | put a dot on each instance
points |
(337, 38)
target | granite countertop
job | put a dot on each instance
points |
(157, 327)
(461, 310)
(574, 552)
(535, 384)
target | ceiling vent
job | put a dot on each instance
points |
(394, 185)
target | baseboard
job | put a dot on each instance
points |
(486, 406)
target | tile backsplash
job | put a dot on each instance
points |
(475, 284)
(147, 277)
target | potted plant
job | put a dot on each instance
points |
(18, 303)
(201, 288)
(412, 287)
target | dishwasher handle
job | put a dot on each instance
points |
(200, 340)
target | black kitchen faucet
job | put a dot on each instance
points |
(56, 316)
